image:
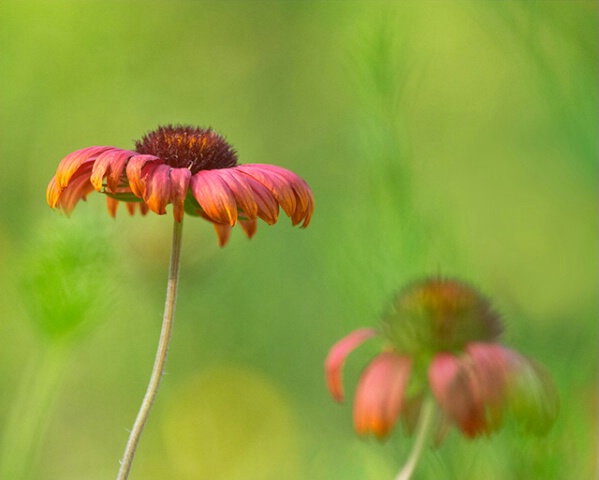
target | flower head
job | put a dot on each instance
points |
(441, 341)
(194, 169)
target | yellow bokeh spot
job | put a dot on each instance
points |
(231, 423)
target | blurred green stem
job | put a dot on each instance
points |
(28, 416)
(161, 354)
(423, 431)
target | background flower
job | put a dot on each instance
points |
(443, 333)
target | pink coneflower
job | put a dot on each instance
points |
(194, 169)
(442, 365)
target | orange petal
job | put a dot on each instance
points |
(278, 184)
(136, 172)
(286, 183)
(224, 233)
(180, 178)
(157, 192)
(112, 204)
(214, 196)
(52, 193)
(249, 227)
(110, 163)
(244, 195)
(333, 364)
(268, 207)
(380, 393)
(78, 189)
(71, 163)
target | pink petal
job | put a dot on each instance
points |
(380, 393)
(110, 163)
(137, 170)
(333, 364)
(278, 184)
(157, 192)
(71, 163)
(492, 364)
(268, 207)
(180, 178)
(214, 196)
(78, 189)
(291, 191)
(241, 188)
(454, 385)
(303, 193)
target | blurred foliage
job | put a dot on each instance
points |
(67, 274)
(454, 137)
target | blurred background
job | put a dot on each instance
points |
(455, 138)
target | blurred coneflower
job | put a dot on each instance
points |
(196, 171)
(442, 365)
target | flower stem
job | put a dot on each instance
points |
(161, 353)
(423, 430)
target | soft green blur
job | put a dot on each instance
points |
(440, 137)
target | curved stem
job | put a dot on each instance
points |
(161, 353)
(423, 430)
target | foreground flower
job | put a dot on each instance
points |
(442, 364)
(194, 169)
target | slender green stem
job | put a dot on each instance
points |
(161, 353)
(423, 431)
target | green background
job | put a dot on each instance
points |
(439, 137)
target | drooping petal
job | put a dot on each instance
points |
(279, 185)
(491, 363)
(137, 170)
(242, 190)
(110, 164)
(531, 395)
(180, 178)
(214, 196)
(133, 206)
(333, 364)
(78, 189)
(223, 231)
(291, 191)
(268, 207)
(157, 192)
(249, 227)
(52, 193)
(112, 204)
(380, 394)
(454, 386)
(71, 163)
(303, 193)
